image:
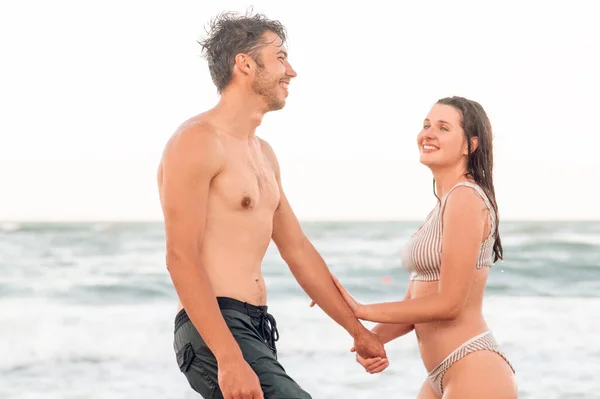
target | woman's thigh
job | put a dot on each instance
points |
(427, 391)
(481, 374)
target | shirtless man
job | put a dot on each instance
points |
(223, 202)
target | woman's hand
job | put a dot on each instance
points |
(373, 365)
(354, 305)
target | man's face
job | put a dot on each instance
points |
(273, 73)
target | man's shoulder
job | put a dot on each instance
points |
(266, 147)
(270, 155)
(195, 141)
(197, 129)
(195, 134)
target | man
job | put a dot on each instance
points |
(222, 200)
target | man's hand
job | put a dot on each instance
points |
(237, 380)
(371, 364)
(368, 345)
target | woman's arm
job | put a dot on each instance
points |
(388, 332)
(464, 223)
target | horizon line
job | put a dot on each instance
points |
(302, 220)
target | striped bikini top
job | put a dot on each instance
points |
(422, 255)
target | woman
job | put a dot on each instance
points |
(448, 259)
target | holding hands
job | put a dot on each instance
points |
(371, 365)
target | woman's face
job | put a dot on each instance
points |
(442, 140)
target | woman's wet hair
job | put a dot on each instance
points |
(480, 162)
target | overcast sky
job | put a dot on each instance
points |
(91, 90)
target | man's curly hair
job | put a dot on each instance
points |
(229, 34)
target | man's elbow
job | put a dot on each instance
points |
(172, 260)
(292, 251)
(290, 256)
(177, 257)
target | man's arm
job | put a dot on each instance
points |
(305, 263)
(190, 161)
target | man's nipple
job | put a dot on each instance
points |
(246, 202)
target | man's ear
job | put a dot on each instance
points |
(244, 63)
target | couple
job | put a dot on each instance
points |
(223, 202)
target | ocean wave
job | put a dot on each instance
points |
(111, 262)
(8, 227)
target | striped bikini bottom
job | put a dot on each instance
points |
(484, 341)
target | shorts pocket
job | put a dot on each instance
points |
(185, 356)
(198, 378)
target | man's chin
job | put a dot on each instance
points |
(276, 106)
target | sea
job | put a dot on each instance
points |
(87, 311)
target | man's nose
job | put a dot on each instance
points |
(289, 71)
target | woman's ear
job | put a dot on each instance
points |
(474, 145)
